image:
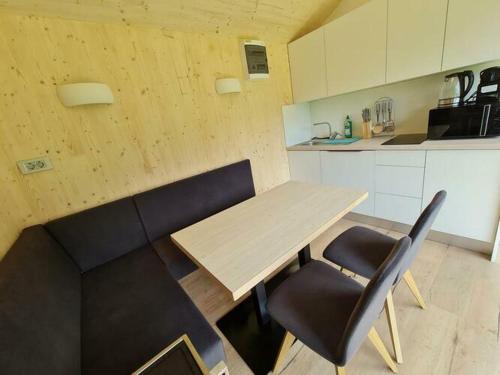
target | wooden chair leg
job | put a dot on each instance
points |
(393, 327)
(379, 345)
(340, 370)
(285, 347)
(410, 281)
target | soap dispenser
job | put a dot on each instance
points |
(348, 127)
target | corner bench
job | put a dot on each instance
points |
(96, 292)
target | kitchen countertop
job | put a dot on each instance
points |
(376, 144)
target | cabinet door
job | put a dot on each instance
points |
(472, 32)
(351, 169)
(307, 67)
(472, 180)
(415, 37)
(305, 166)
(356, 49)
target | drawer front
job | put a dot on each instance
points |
(401, 158)
(397, 208)
(405, 181)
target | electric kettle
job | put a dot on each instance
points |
(454, 89)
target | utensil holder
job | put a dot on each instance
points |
(377, 130)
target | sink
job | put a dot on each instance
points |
(319, 142)
(312, 143)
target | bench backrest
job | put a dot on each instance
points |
(169, 208)
(99, 235)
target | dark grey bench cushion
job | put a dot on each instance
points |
(101, 234)
(169, 208)
(178, 263)
(132, 309)
(40, 295)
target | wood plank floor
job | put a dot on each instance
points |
(458, 334)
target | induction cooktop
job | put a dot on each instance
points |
(406, 139)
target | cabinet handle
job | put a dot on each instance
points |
(485, 120)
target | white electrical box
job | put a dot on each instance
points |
(254, 57)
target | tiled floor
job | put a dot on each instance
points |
(458, 334)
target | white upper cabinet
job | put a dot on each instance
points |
(387, 41)
(415, 37)
(356, 49)
(307, 67)
(472, 33)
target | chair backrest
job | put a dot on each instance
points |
(371, 302)
(421, 229)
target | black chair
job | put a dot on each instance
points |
(362, 251)
(331, 313)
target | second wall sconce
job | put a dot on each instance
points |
(76, 94)
(227, 85)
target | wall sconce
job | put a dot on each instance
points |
(75, 94)
(227, 85)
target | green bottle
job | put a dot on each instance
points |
(348, 127)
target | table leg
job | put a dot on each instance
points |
(259, 297)
(305, 256)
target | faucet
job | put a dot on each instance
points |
(332, 135)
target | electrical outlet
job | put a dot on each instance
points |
(34, 165)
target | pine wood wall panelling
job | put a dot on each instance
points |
(278, 20)
(343, 7)
(167, 122)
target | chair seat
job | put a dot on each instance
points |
(315, 304)
(360, 250)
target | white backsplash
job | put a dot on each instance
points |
(412, 101)
(297, 122)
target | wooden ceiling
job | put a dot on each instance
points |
(279, 20)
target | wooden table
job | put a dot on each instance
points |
(246, 243)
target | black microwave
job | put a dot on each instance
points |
(468, 121)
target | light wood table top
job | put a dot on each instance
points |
(244, 244)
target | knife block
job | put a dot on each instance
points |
(367, 129)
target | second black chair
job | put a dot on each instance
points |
(362, 251)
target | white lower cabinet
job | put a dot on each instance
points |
(399, 181)
(403, 181)
(401, 184)
(401, 158)
(305, 166)
(351, 169)
(472, 180)
(397, 208)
